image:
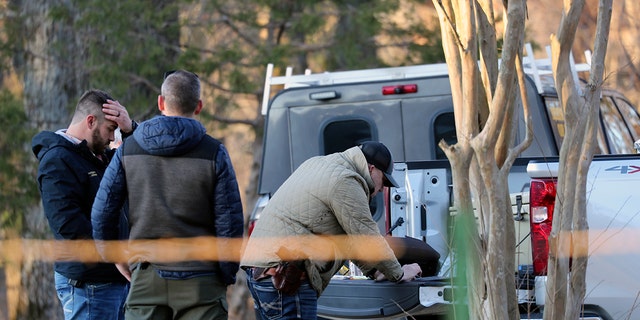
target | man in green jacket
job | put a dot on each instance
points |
(315, 221)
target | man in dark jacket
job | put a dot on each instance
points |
(181, 187)
(72, 162)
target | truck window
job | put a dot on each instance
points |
(630, 115)
(612, 134)
(341, 135)
(344, 134)
(444, 128)
(615, 128)
(601, 142)
(556, 118)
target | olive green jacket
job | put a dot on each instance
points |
(319, 213)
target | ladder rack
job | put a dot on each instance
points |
(539, 70)
(328, 78)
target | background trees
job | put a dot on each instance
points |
(52, 50)
(60, 48)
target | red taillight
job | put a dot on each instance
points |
(542, 198)
(400, 89)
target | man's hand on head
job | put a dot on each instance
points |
(117, 113)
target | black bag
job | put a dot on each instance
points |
(411, 250)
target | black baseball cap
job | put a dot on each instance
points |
(378, 155)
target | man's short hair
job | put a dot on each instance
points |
(91, 102)
(181, 91)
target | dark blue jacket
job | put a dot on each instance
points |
(68, 178)
(180, 183)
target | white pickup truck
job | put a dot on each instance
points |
(613, 215)
(410, 110)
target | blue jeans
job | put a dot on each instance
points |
(270, 304)
(91, 301)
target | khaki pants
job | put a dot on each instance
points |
(153, 297)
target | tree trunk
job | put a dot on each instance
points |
(47, 102)
(481, 160)
(566, 283)
(55, 73)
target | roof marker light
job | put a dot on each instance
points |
(400, 89)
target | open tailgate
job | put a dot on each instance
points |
(367, 299)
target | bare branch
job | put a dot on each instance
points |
(217, 86)
(506, 77)
(147, 83)
(227, 120)
(241, 34)
(450, 45)
(561, 46)
(635, 72)
(517, 150)
(488, 47)
(602, 39)
(452, 25)
(225, 14)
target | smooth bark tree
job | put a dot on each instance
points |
(46, 104)
(568, 241)
(484, 154)
(482, 157)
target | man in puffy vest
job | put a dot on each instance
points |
(180, 185)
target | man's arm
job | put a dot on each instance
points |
(105, 214)
(106, 211)
(63, 195)
(229, 220)
(350, 204)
